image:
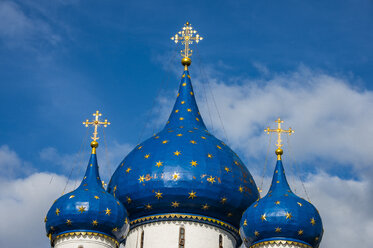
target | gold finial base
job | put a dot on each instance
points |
(279, 152)
(94, 145)
(186, 62)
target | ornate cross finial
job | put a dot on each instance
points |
(279, 131)
(95, 123)
(186, 36)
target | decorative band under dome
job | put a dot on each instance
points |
(87, 233)
(281, 242)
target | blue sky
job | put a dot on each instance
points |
(309, 62)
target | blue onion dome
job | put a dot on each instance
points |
(281, 216)
(89, 208)
(184, 171)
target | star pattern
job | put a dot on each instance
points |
(148, 206)
(193, 163)
(147, 156)
(58, 211)
(128, 170)
(175, 204)
(300, 232)
(277, 202)
(313, 222)
(288, 215)
(223, 200)
(159, 164)
(205, 206)
(211, 179)
(81, 209)
(72, 196)
(227, 169)
(94, 222)
(278, 229)
(107, 211)
(177, 153)
(68, 222)
(141, 179)
(192, 195)
(129, 200)
(263, 217)
(175, 176)
(158, 195)
(96, 197)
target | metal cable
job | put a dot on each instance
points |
(212, 94)
(297, 171)
(265, 162)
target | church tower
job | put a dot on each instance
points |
(88, 217)
(281, 219)
(183, 187)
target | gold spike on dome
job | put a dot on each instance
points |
(96, 122)
(187, 35)
(279, 131)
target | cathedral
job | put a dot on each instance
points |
(182, 188)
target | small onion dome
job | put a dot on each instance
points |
(89, 208)
(281, 215)
(184, 169)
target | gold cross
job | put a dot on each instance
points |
(187, 35)
(279, 131)
(96, 123)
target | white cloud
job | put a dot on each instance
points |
(23, 206)
(11, 164)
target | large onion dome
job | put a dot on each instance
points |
(281, 216)
(184, 172)
(89, 208)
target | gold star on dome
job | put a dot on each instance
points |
(72, 196)
(156, 137)
(192, 195)
(245, 222)
(175, 176)
(263, 217)
(96, 197)
(193, 142)
(223, 200)
(181, 118)
(300, 232)
(191, 93)
(184, 84)
(107, 211)
(211, 180)
(176, 111)
(58, 211)
(300, 204)
(129, 200)
(182, 102)
(68, 222)
(240, 189)
(277, 202)
(118, 202)
(229, 214)
(205, 207)
(175, 204)
(209, 155)
(193, 163)
(147, 156)
(313, 222)
(278, 229)
(227, 169)
(45, 219)
(81, 209)
(115, 229)
(256, 204)
(159, 164)
(218, 147)
(203, 137)
(158, 195)
(95, 222)
(128, 170)
(141, 179)
(139, 147)
(189, 110)
(256, 233)
(148, 206)
(197, 119)
(316, 238)
(288, 215)
(165, 142)
(177, 153)
(179, 134)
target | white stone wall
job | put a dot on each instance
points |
(84, 241)
(165, 234)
